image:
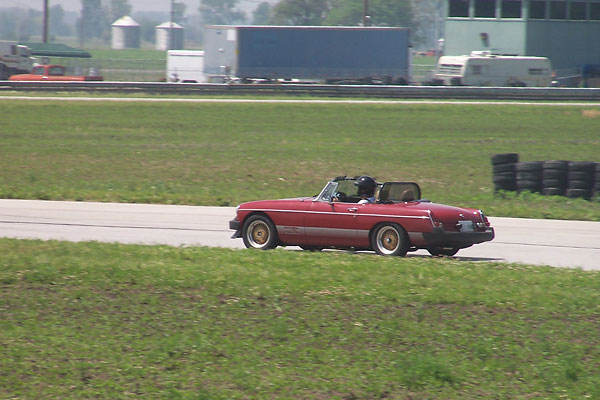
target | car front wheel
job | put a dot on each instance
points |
(258, 232)
(390, 240)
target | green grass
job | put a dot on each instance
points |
(224, 154)
(92, 320)
(128, 54)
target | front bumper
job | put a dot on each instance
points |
(235, 225)
(440, 237)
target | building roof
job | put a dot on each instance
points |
(55, 50)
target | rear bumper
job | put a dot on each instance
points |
(236, 226)
(440, 237)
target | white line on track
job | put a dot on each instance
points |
(299, 101)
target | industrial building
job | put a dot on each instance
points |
(565, 31)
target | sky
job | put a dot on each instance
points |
(137, 5)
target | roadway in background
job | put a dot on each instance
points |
(529, 241)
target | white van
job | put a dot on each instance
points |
(186, 66)
(482, 68)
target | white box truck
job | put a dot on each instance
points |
(482, 68)
(14, 59)
(185, 66)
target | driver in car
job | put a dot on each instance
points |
(366, 189)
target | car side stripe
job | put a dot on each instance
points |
(337, 213)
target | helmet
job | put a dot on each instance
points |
(366, 185)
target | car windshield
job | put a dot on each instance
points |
(344, 190)
(399, 192)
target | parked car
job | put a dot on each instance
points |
(397, 222)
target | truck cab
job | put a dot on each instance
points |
(14, 59)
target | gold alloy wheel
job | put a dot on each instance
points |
(258, 234)
(388, 240)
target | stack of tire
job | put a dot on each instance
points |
(529, 176)
(504, 176)
(596, 189)
(581, 179)
(554, 177)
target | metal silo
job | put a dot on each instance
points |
(169, 36)
(125, 34)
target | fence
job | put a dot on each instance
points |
(120, 70)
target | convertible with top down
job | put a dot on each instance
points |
(395, 222)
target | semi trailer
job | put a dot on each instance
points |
(308, 53)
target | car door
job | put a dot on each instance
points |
(329, 223)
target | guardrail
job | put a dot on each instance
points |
(369, 91)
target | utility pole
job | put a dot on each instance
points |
(45, 27)
(171, 38)
(366, 16)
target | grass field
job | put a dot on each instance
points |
(121, 321)
(223, 154)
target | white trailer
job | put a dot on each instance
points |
(186, 66)
(485, 69)
(14, 59)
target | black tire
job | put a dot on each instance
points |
(583, 166)
(510, 187)
(311, 248)
(529, 176)
(528, 183)
(579, 185)
(442, 251)
(553, 191)
(389, 239)
(554, 174)
(580, 176)
(504, 179)
(573, 193)
(554, 183)
(505, 158)
(258, 232)
(529, 166)
(500, 168)
(553, 164)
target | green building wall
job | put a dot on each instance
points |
(569, 44)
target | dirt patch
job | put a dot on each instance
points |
(590, 113)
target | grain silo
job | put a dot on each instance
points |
(169, 36)
(125, 34)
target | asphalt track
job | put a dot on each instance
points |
(542, 242)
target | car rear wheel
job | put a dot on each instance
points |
(258, 232)
(443, 251)
(390, 240)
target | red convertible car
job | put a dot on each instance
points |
(396, 221)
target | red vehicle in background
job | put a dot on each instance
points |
(397, 221)
(53, 73)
